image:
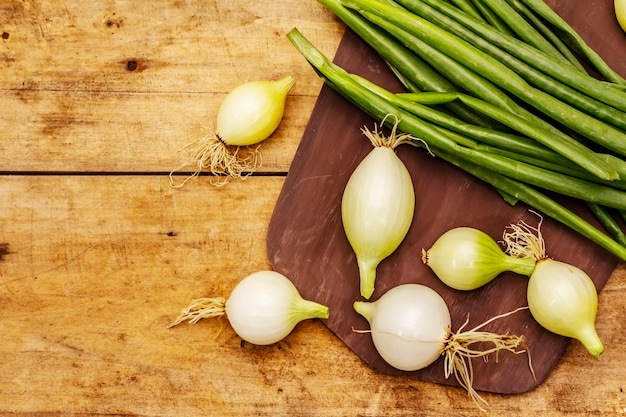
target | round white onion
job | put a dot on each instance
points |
(409, 325)
(263, 308)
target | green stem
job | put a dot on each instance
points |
(378, 108)
(578, 89)
(491, 94)
(415, 73)
(548, 14)
(547, 33)
(523, 29)
(608, 221)
(540, 202)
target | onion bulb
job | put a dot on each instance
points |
(377, 205)
(465, 258)
(411, 328)
(248, 115)
(562, 298)
(262, 309)
(620, 13)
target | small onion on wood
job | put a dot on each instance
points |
(263, 308)
(248, 115)
(410, 327)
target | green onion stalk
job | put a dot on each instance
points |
(401, 20)
(539, 69)
(512, 180)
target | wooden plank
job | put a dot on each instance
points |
(71, 104)
(51, 131)
(97, 266)
(181, 46)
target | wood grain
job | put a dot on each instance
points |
(98, 254)
(99, 265)
(71, 104)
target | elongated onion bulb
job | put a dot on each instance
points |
(620, 13)
(263, 308)
(410, 328)
(377, 206)
(248, 115)
(563, 299)
(465, 258)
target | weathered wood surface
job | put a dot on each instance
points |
(71, 104)
(98, 254)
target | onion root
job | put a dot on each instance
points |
(224, 161)
(201, 308)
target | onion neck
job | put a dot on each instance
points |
(366, 309)
(283, 85)
(367, 276)
(588, 336)
(302, 309)
(522, 266)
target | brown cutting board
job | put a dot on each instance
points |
(306, 241)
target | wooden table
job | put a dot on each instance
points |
(98, 253)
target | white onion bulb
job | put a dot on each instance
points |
(263, 308)
(377, 206)
(410, 328)
(563, 299)
(409, 325)
(248, 115)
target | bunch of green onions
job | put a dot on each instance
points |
(492, 89)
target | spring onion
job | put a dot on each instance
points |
(377, 205)
(263, 308)
(519, 186)
(508, 80)
(569, 85)
(562, 298)
(465, 258)
(547, 32)
(248, 115)
(411, 328)
(575, 41)
(524, 30)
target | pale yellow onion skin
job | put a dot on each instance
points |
(620, 13)
(563, 299)
(409, 325)
(465, 258)
(265, 306)
(377, 211)
(252, 111)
